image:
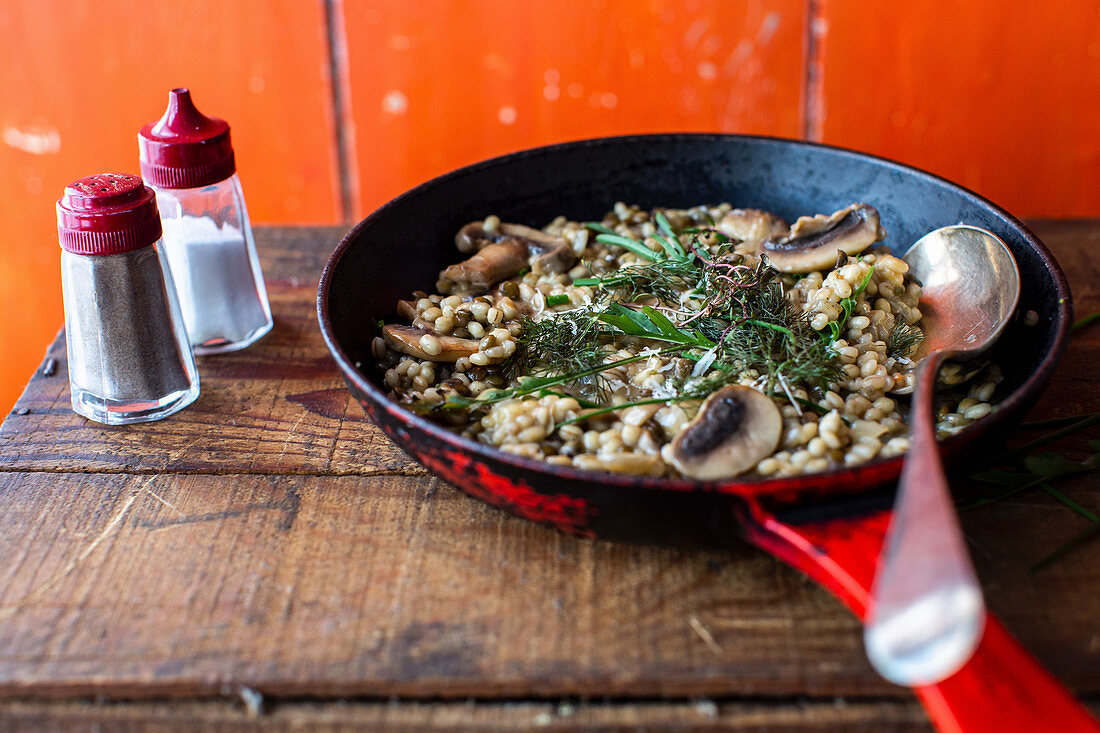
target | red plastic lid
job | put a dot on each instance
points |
(185, 148)
(107, 214)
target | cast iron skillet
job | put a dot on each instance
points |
(829, 525)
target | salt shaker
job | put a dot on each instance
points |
(187, 158)
(129, 357)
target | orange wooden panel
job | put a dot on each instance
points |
(436, 84)
(80, 77)
(1001, 97)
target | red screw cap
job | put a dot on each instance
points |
(185, 148)
(107, 214)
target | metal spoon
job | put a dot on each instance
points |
(927, 615)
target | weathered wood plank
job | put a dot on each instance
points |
(701, 715)
(176, 585)
(279, 407)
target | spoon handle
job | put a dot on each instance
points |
(926, 614)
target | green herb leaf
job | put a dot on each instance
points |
(630, 244)
(664, 280)
(552, 300)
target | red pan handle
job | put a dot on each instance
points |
(1002, 688)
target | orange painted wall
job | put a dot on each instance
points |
(1003, 97)
(458, 81)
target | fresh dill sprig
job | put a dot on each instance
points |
(663, 280)
(780, 345)
(562, 343)
(540, 385)
(903, 339)
(759, 328)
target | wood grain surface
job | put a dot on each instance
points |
(268, 543)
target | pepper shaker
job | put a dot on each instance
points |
(187, 158)
(129, 357)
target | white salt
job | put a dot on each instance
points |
(219, 282)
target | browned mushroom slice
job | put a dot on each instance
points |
(406, 309)
(556, 261)
(735, 428)
(474, 236)
(490, 264)
(752, 225)
(410, 340)
(813, 242)
(554, 253)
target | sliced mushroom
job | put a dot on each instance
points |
(406, 309)
(490, 264)
(556, 261)
(735, 428)
(752, 225)
(411, 340)
(814, 241)
(555, 255)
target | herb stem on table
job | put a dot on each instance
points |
(1074, 427)
(1068, 547)
(1082, 322)
(1023, 469)
(1056, 422)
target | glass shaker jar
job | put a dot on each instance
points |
(128, 352)
(187, 158)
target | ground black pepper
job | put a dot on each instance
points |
(122, 327)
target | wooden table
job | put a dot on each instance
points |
(266, 556)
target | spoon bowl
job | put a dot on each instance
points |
(927, 614)
(970, 286)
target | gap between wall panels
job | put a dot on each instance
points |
(343, 126)
(813, 98)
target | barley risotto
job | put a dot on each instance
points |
(707, 342)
